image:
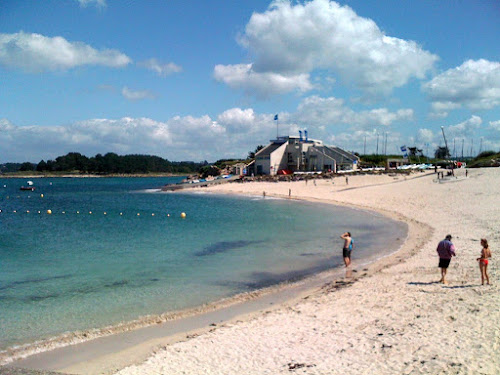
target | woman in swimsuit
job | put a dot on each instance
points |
(483, 261)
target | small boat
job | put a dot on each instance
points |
(27, 188)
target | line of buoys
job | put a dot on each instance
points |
(105, 213)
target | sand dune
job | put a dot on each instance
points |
(395, 320)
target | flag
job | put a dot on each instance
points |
(404, 151)
(276, 117)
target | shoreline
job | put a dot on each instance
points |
(394, 319)
(398, 320)
(276, 296)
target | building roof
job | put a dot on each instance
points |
(268, 150)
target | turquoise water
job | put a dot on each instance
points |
(134, 255)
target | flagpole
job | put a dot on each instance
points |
(277, 132)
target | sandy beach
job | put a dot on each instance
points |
(389, 318)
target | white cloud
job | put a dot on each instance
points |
(36, 53)
(136, 94)
(493, 124)
(425, 136)
(464, 129)
(474, 84)
(318, 111)
(97, 3)
(264, 84)
(292, 40)
(179, 138)
(161, 69)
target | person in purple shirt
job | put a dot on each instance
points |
(445, 250)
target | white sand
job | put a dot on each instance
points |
(394, 321)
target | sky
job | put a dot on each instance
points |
(203, 79)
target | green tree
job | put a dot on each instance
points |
(251, 154)
(25, 167)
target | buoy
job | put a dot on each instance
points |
(138, 214)
(39, 212)
(77, 212)
(64, 212)
(41, 195)
(49, 212)
(183, 215)
(90, 212)
(15, 211)
(28, 211)
(105, 213)
(168, 215)
(152, 214)
(121, 213)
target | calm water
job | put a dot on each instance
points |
(70, 271)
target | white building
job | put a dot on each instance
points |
(302, 154)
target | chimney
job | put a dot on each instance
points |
(305, 134)
(300, 135)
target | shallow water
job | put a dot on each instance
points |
(115, 249)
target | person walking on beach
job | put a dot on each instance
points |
(445, 250)
(347, 249)
(483, 261)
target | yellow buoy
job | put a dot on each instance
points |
(183, 215)
(121, 213)
(49, 212)
(77, 212)
(41, 195)
(105, 213)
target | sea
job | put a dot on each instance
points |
(84, 253)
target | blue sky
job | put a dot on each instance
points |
(202, 80)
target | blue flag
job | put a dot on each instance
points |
(276, 117)
(404, 150)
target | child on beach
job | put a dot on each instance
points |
(483, 261)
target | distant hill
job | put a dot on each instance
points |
(485, 159)
(109, 163)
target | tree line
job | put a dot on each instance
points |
(112, 163)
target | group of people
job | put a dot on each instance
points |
(445, 250)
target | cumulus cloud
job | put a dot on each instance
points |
(292, 40)
(136, 94)
(178, 138)
(97, 3)
(466, 128)
(161, 69)
(493, 124)
(425, 136)
(318, 111)
(474, 84)
(37, 53)
(263, 84)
